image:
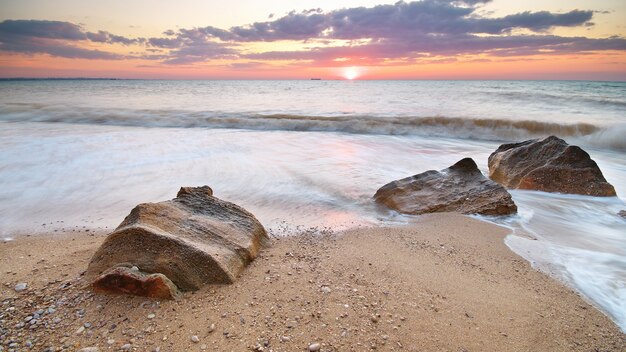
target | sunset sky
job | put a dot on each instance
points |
(240, 39)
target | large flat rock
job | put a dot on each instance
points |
(549, 165)
(192, 240)
(461, 188)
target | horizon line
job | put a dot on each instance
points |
(299, 79)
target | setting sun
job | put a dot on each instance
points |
(351, 73)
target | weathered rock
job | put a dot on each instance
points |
(461, 188)
(123, 280)
(191, 240)
(549, 165)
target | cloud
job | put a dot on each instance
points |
(56, 38)
(34, 46)
(188, 46)
(408, 31)
(400, 32)
(41, 29)
(374, 53)
(401, 19)
(200, 52)
(106, 37)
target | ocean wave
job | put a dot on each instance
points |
(555, 98)
(440, 126)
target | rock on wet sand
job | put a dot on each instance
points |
(549, 165)
(191, 240)
(461, 188)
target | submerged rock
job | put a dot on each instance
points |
(549, 165)
(461, 188)
(191, 240)
(622, 213)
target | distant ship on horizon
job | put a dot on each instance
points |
(316, 79)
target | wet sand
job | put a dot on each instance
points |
(446, 283)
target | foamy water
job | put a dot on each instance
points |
(300, 153)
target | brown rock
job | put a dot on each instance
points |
(192, 240)
(549, 165)
(461, 188)
(123, 280)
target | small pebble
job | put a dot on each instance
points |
(126, 347)
(195, 339)
(151, 316)
(314, 347)
(20, 287)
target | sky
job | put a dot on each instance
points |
(242, 39)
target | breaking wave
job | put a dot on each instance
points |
(470, 128)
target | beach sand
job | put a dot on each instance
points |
(446, 283)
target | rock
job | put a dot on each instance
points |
(126, 347)
(195, 339)
(21, 287)
(461, 188)
(89, 349)
(187, 242)
(151, 316)
(622, 213)
(549, 165)
(314, 347)
(124, 280)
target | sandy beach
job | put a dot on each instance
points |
(415, 175)
(445, 283)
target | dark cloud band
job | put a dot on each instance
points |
(401, 31)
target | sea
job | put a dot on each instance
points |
(302, 154)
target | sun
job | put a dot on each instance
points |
(351, 73)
